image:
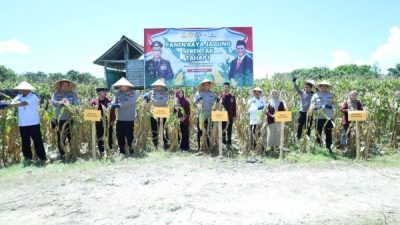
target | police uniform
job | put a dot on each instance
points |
(305, 102)
(158, 68)
(126, 104)
(324, 103)
(56, 101)
(208, 99)
(159, 99)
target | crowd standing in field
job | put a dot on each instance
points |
(317, 106)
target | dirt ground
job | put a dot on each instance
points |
(187, 189)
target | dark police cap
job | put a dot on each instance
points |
(156, 44)
(98, 89)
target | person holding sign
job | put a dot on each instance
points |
(184, 118)
(228, 100)
(28, 122)
(157, 67)
(323, 102)
(256, 105)
(305, 102)
(351, 104)
(125, 101)
(274, 129)
(159, 96)
(101, 102)
(64, 100)
(204, 99)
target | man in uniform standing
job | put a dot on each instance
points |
(206, 99)
(65, 100)
(159, 97)
(305, 102)
(125, 101)
(157, 67)
(323, 102)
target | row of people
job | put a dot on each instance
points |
(320, 104)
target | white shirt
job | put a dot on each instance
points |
(256, 114)
(28, 115)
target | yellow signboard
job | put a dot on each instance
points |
(91, 115)
(161, 112)
(283, 116)
(357, 116)
(219, 116)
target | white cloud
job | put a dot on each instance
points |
(388, 54)
(340, 57)
(13, 46)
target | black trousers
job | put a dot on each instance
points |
(125, 130)
(28, 132)
(301, 122)
(100, 133)
(185, 137)
(154, 129)
(200, 132)
(328, 132)
(227, 135)
(67, 135)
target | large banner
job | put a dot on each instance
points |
(184, 57)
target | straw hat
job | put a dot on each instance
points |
(324, 82)
(312, 82)
(206, 81)
(122, 82)
(24, 86)
(57, 84)
(257, 89)
(159, 82)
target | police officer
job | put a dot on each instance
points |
(101, 102)
(65, 100)
(206, 98)
(305, 102)
(324, 104)
(159, 97)
(125, 101)
(28, 122)
(157, 67)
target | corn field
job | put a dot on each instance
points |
(380, 134)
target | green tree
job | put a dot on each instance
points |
(7, 74)
(394, 71)
(38, 77)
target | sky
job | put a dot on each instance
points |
(57, 36)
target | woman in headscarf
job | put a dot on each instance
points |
(183, 116)
(351, 104)
(274, 105)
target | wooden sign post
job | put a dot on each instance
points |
(357, 116)
(282, 117)
(219, 116)
(92, 115)
(161, 113)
